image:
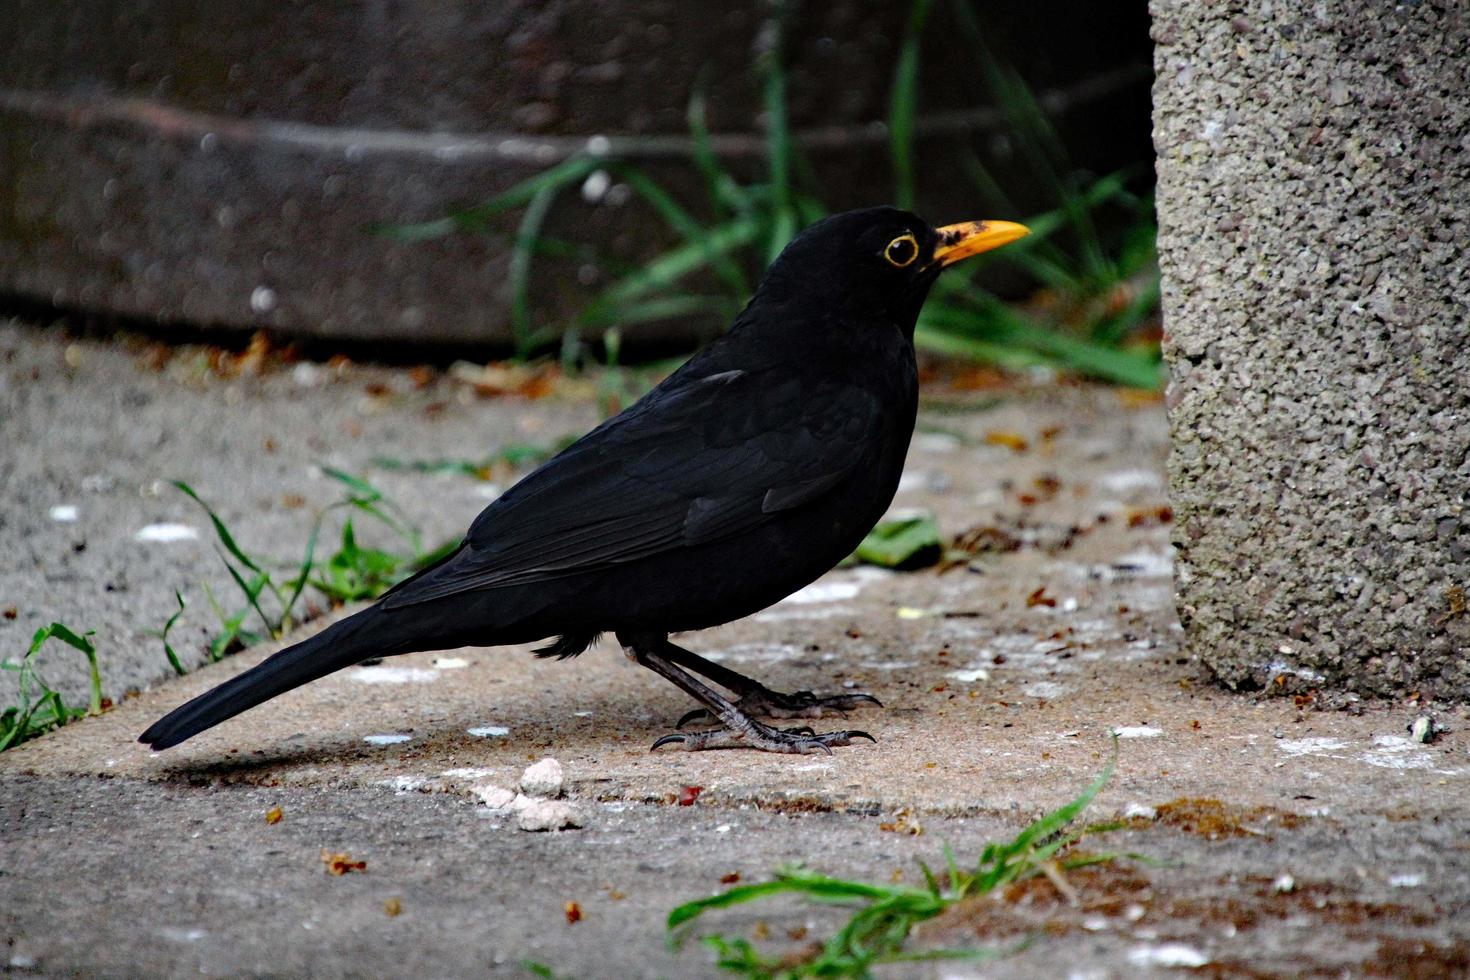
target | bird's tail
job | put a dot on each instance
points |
(344, 643)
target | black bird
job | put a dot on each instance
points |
(742, 477)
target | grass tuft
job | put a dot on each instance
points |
(1091, 294)
(884, 915)
(273, 591)
(39, 708)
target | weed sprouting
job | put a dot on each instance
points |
(274, 591)
(39, 708)
(1090, 293)
(878, 930)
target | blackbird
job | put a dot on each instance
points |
(743, 476)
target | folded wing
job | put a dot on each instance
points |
(696, 461)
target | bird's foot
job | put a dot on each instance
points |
(798, 741)
(765, 703)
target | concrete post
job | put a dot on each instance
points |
(1314, 208)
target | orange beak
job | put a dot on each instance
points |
(957, 242)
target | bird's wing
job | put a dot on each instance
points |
(695, 462)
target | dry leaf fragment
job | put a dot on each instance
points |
(1010, 440)
(573, 912)
(1040, 598)
(730, 878)
(274, 815)
(392, 907)
(338, 863)
(1150, 516)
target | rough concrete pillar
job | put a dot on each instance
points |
(1314, 208)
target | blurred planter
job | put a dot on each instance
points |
(218, 164)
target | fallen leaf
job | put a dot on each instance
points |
(392, 907)
(1150, 516)
(1139, 397)
(730, 878)
(273, 815)
(573, 912)
(1010, 440)
(338, 863)
(1040, 598)
(902, 543)
(979, 379)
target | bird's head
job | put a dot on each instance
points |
(882, 258)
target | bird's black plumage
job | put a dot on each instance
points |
(742, 477)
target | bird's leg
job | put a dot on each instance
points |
(740, 731)
(754, 698)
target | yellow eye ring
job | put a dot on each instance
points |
(901, 252)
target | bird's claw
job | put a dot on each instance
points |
(799, 741)
(763, 703)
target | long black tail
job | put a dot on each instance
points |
(352, 640)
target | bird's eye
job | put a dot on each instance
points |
(902, 251)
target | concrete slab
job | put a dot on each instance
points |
(1001, 677)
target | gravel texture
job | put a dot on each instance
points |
(1314, 173)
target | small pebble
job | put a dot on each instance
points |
(543, 778)
(494, 797)
(166, 533)
(539, 815)
(1423, 729)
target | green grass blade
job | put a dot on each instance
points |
(65, 635)
(168, 650)
(1008, 329)
(778, 135)
(903, 105)
(1063, 815)
(685, 226)
(32, 716)
(252, 592)
(369, 499)
(476, 218)
(725, 193)
(733, 896)
(220, 530)
(671, 266)
(814, 886)
(950, 344)
(518, 274)
(359, 486)
(303, 571)
(783, 229)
